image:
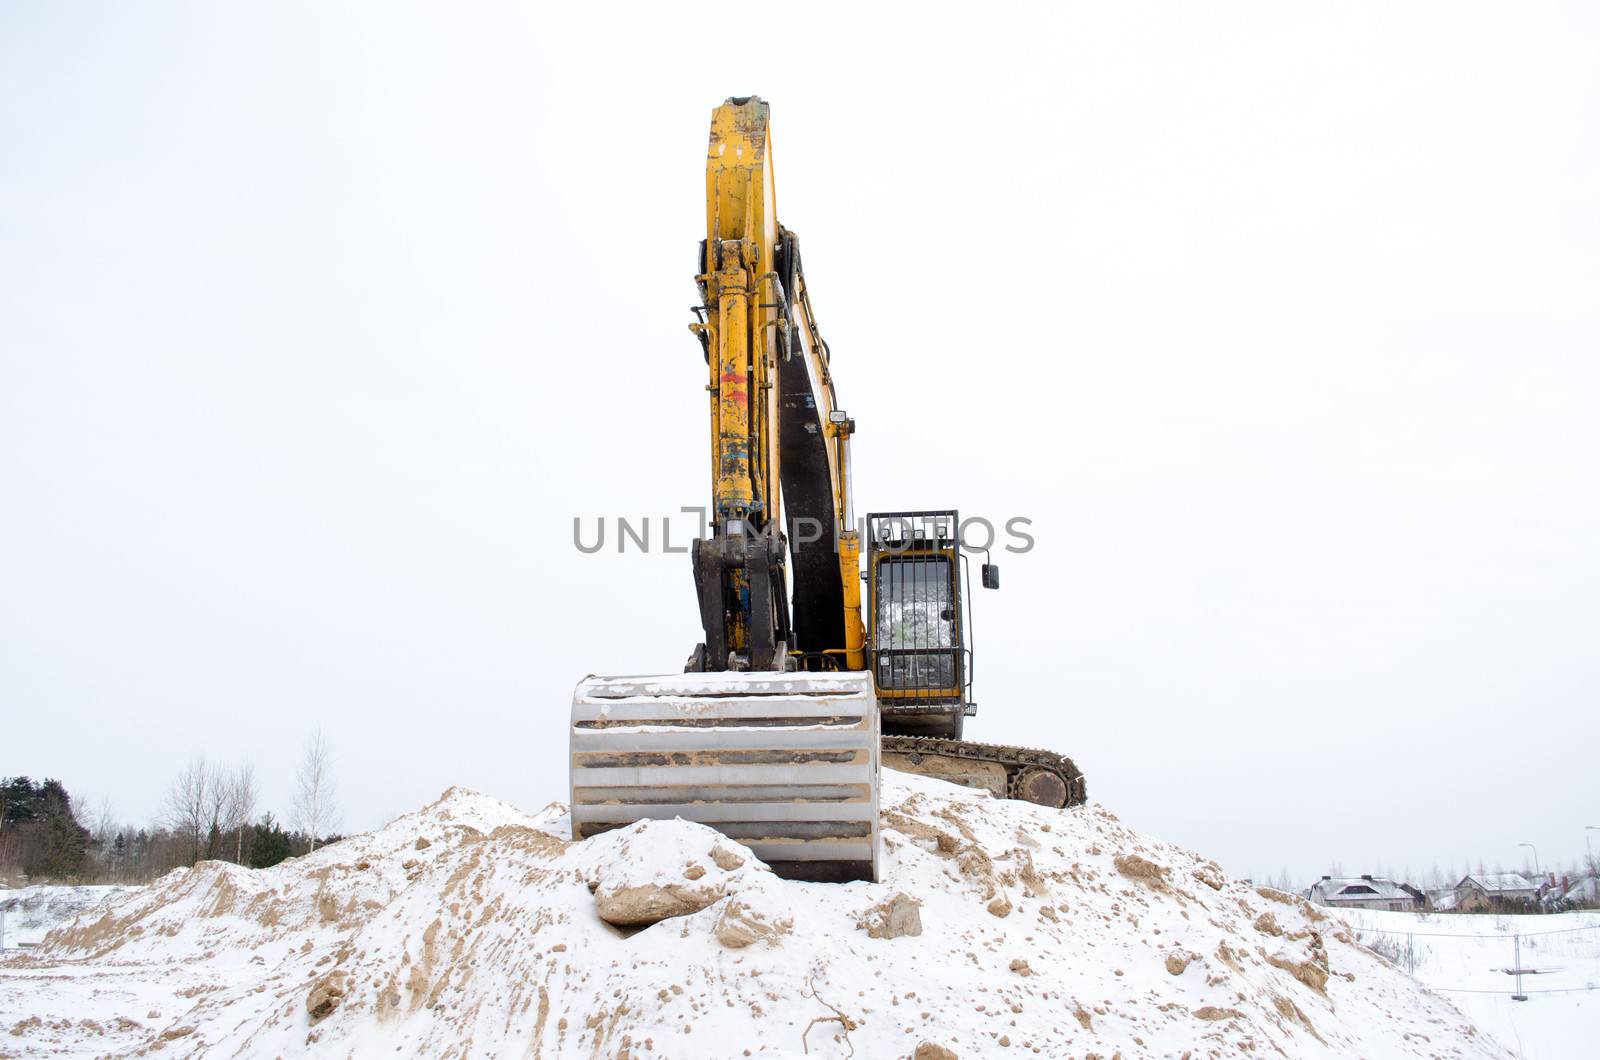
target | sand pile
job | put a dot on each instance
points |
(469, 927)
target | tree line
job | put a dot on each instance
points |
(210, 813)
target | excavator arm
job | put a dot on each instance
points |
(777, 437)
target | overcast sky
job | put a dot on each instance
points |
(322, 323)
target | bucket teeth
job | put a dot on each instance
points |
(785, 763)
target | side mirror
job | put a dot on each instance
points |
(991, 576)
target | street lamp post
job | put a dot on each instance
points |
(1535, 850)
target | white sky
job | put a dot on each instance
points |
(322, 323)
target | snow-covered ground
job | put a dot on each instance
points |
(470, 927)
(27, 914)
(1463, 956)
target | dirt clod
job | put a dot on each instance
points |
(651, 903)
(741, 924)
(1142, 869)
(897, 916)
(1306, 969)
(326, 993)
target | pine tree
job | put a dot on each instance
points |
(269, 843)
(43, 836)
(66, 842)
(19, 801)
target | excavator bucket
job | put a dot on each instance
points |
(785, 763)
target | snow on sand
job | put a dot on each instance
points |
(1465, 957)
(28, 914)
(469, 927)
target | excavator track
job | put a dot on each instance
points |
(1023, 773)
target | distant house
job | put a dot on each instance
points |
(1495, 892)
(1584, 893)
(1443, 899)
(1365, 892)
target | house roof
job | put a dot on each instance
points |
(1444, 900)
(1499, 882)
(1359, 889)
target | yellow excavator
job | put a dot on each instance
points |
(775, 732)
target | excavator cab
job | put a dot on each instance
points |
(919, 648)
(917, 641)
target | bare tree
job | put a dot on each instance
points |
(240, 805)
(102, 823)
(215, 826)
(188, 801)
(314, 799)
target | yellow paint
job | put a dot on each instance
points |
(742, 235)
(855, 633)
